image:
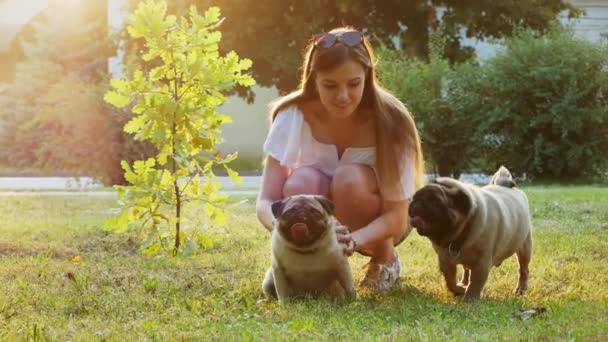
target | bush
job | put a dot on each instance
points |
(542, 105)
(429, 89)
(53, 115)
(60, 131)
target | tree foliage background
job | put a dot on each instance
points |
(53, 115)
(54, 118)
(432, 90)
(274, 33)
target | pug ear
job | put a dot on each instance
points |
(277, 208)
(326, 204)
(461, 201)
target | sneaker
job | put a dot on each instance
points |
(380, 278)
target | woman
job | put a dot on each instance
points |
(343, 136)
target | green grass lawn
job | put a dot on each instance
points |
(118, 294)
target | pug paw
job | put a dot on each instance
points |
(458, 290)
(520, 289)
(463, 285)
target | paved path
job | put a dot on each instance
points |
(48, 183)
(98, 193)
(65, 186)
(87, 183)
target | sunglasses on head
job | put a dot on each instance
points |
(350, 38)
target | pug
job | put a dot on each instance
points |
(306, 258)
(477, 227)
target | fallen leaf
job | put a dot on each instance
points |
(527, 314)
(76, 260)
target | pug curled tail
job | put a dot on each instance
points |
(503, 177)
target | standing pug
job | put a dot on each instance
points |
(306, 256)
(477, 227)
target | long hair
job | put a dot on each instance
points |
(396, 131)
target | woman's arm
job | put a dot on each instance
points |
(271, 189)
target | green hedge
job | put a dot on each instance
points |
(540, 106)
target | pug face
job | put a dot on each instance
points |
(437, 211)
(303, 219)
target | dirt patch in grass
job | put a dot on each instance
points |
(117, 244)
(8, 249)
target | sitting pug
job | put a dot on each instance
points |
(306, 256)
(477, 227)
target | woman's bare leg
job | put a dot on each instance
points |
(306, 180)
(356, 196)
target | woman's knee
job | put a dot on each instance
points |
(354, 192)
(306, 180)
(355, 183)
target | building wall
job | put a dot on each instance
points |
(594, 23)
(250, 124)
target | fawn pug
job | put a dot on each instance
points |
(477, 227)
(306, 258)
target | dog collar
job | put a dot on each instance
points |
(455, 246)
(453, 252)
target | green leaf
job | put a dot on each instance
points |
(116, 99)
(130, 176)
(220, 218)
(158, 73)
(150, 162)
(162, 158)
(166, 181)
(204, 242)
(202, 143)
(118, 223)
(245, 63)
(212, 15)
(135, 124)
(246, 81)
(153, 248)
(208, 209)
(120, 85)
(234, 176)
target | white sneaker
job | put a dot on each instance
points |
(380, 278)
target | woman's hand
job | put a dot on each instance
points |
(346, 239)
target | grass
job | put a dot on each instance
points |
(115, 293)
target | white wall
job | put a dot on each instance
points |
(595, 22)
(250, 124)
(117, 13)
(590, 26)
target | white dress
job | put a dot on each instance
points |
(291, 143)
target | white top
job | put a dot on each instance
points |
(291, 143)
